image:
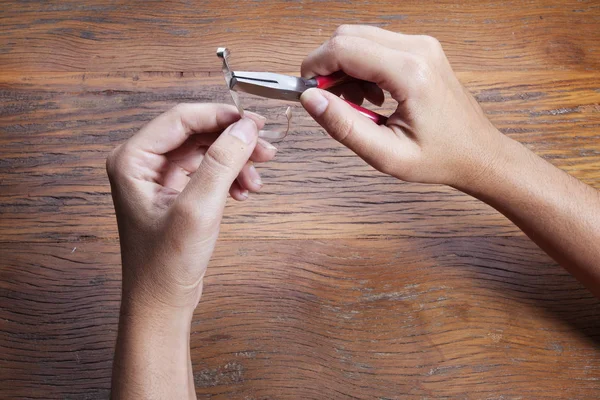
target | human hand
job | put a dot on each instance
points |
(169, 184)
(438, 133)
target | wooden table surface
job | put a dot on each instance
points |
(334, 282)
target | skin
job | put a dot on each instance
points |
(439, 134)
(170, 183)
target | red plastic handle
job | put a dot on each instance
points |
(372, 115)
(338, 78)
(335, 79)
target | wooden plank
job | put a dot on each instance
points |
(57, 129)
(183, 35)
(399, 318)
(335, 281)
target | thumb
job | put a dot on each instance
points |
(220, 166)
(346, 125)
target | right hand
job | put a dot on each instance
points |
(438, 133)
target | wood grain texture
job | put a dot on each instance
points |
(335, 281)
(316, 188)
(182, 35)
(315, 319)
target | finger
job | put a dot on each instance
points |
(220, 167)
(356, 92)
(180, 163)
(377, 145)
(263, 152)
(337, 90)
(353, 92)
(170, 130)
(249, 178)
(175, 177)
(189, 155)
(373, 93)
(366, 60)
(397, 41)
(185, 160)
(416, 44)
(237, 192)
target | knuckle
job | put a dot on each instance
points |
(433, 47)
(177, 113)
(420, 72)
(343, 30)
(178, 109)
(217, 160)
(342, 129)
(114, 161)
(431, 42)
(338, 44)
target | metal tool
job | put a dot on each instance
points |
(285, 87)
(223, 53)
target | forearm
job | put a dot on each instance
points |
(152, 357)
(558, 212)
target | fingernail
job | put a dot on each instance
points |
(245, 130)
(266, 145)
(314, 102)
(244, 194)
(256, 115)
(254, 176)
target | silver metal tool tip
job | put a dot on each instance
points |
(222, 52)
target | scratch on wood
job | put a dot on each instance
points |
(230, 373)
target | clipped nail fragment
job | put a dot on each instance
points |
(277, 135)
(223, 53)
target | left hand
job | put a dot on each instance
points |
(169, 185)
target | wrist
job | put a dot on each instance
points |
(152, 347)
(148, 292)
(147, 311)
(488, 165)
